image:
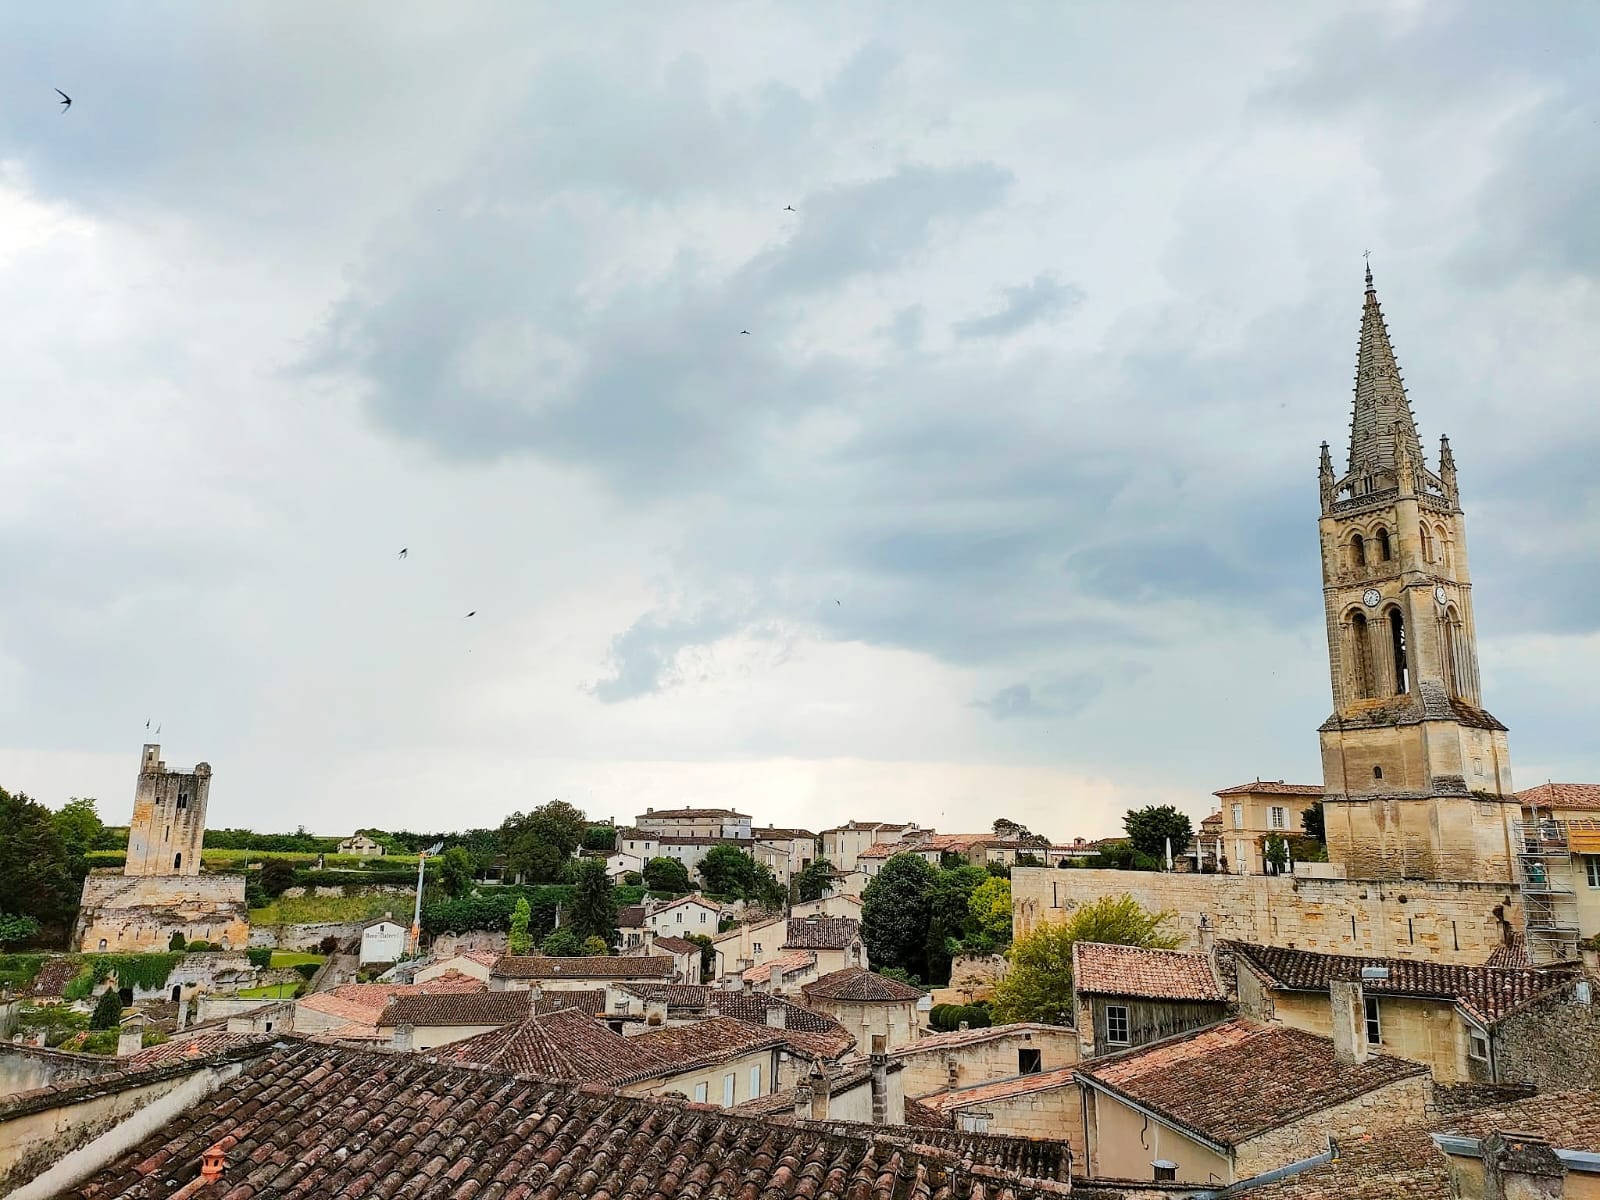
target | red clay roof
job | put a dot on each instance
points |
(363, 1003)
(1269, 787)
(660, 813)
(973, 1037)
(1584, 796)
(593, 966)
(52, 979)
(1103, 970)
(198, 1045)
(468, 1008)
(861, 985)
(677, 945)
(1002, 1089)
(1486, 993)
(794, 960)
(821, 933)
(1234, 1081)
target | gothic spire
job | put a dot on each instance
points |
(1382, 417)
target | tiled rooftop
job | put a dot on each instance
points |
(685, 1047)
(821, 933)
(954, 843)
(335, 1124)
(782, 1103)
(595, 966)
(1486, 993)
(630, 916)
(364, 1002)
(199, 1045)
(677, 945)
(1236, 1080)
(860, 984)
(1584, 796)
(794, 960)
(53, 977)
(1001, 1089)
(811, 1033)
(1270, 787)
(1513, 953)
(458, 1008)
(566, 1045)
(935, 1042)
(1105, 970)
(661, 814)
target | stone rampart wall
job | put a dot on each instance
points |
(133, 913)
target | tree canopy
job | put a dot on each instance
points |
(1150, 827)
(518, 940)
(896, 910)
(455, 871)
(539, 844)
(38, 877)
(666, 875)
(594, 903)
(729, 871)
(813, 882)
(1312, 821)
(1039, 985)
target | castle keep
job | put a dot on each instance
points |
(160, 890)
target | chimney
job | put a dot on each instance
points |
(777, 1016)
(878, 1063)
(952, 1072)
(802, 1102)
(964, 1026)
(402, 1037)
(1349, 1011)
(1521, 1166)
(655, 1012)
(130, 1035)
(183, 1012)
(1206, 936)
(213, 1163)
(819, 1093)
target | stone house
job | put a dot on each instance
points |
(786, 972)
(715, 823)
(798, 848)
(748, 944)
(834, 905)
(583, 973)
(475, 964)
(1560, 867)
(1043, 1104)
(1451, 1017)
(1253, 812)
(685, 955)
(422, 1022)
(836, 942)
(1237, 1099)
(362, 847)
(868, 1094)
(1125, 996)
(683, 916)
(866, 1003)
(966, 1058)
(383, 941)
(843, 844)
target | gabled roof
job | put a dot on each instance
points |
(811, 1033)
(821, 933)
(195, 1046)
(52, 979)
(728, 935)
(772, 834)
(1230, 1082)
(682, 900)
(793, 960)
(676, 945)
(339, 1124)
(658, 814)
(860, 985)
(1106, 970)
(363, 1003)
(955, 1039)
(683, 1048)
(630, 916)
(1485, 993)
(460, 1008)
(590, 966)
(566, 1045)
(1584, 796)
(1271, 787)
(1002, 1089)
(954, 843)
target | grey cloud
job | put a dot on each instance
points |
(645, 656)
(1061, 698)
(1026, 304)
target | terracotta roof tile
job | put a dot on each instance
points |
(677, 945)
(685, 1047)
(630, 916)
(1002, 1089)
(595, 966)
(821, 933)
(1513, 953)
(1105, 970)
(935, 1042)
(1236, 1080)
(52, 979)
(568, 1044)
(794, 960)
(457, 1008)
(338, 1124)
(1585, 796)
(1486, 993)
(1268, 787)
(813, 1034)
(664, 813)
(861, 985)
(199, 1045)
(363, 1003)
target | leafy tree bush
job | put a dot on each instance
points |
(520, 941)
(595, 946)
(666, 875)
(1150, 827)
(990, 911)
(328, 945)
(1313, 822)
(107, 1011)
(949, 917)
(708, 954)
(259, 956)
(17, 971)
(455, 871)
(562, 943)
(538, 844)
(813, 882)
(1275, 852)
(632, 879)
(38, 878)
(277, 876)
(905, 977)
(80, 986)
(1039, 984)
(600, 837)
(16, 928)
(594, 904)
(947, 1018)
(176, 942)
(895, 915)
(307, 970)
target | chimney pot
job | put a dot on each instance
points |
(213, 1163)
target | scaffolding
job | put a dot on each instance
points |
(1549, 902)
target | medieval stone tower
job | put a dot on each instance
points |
(1417, 775)
(169, 818)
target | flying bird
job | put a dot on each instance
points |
(473, 613)
(788, 208)
(402, 551)
(147, 724)
(158, 729)
(746, 332)
(66, 100)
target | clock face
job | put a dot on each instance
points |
(1440, 596)
(1370, 597)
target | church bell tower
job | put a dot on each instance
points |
(1416, 774)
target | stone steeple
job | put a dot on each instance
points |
(1381, 419)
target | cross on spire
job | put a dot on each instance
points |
(1381, 420)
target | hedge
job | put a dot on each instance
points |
(259, 956)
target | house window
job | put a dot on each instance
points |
(1592, 862)
(1278, 816)
(1374, 1029)
(700, 1092)
(727, 1090)
(102, 943)
(1117, 1024)
(1238, 816)
(702, 916)
(755, 1081)
(758, 947)
(177, 862)
(1028, 1062)
(183, 801)
(679, 915)
(1477, 1045)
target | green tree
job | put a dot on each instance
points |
(455, 871)
(1150, 827)
(518, 941)
(1039, 985)
(562, 943)
(1311, 820)
(990, 910)
(277, 876)
(600, 837)
(36, 875)
(666, 875)
(1010, 831)
(1276, 852)
(80, 827)
(949, 917)
(107, 1011)
(540, 843)
(708, 954)
(176, 942)
(895, 913)
(594, 903)
(726, 871)
(16, 929)
(595, 947)
(813, 882)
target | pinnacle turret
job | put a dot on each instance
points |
(1381, 419)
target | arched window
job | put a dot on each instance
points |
(1441, 544)
(1397, 640)
(1453, 645)
(1358, 550)
(177, 862)
(1361, 656)
(1377, 772)
(102, 943)
(1427, 544)
(1384, 553)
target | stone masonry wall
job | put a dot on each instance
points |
(136, 913)
(24, 1068)
(1402, 1102)
(1446, 922)
(1055, 1113)
(928, 1071)
(1553, 1043)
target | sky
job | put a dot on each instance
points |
(1005, 504)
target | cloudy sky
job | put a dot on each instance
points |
(1006, 504)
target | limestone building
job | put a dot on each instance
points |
(161, 890)
(1416, 773)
